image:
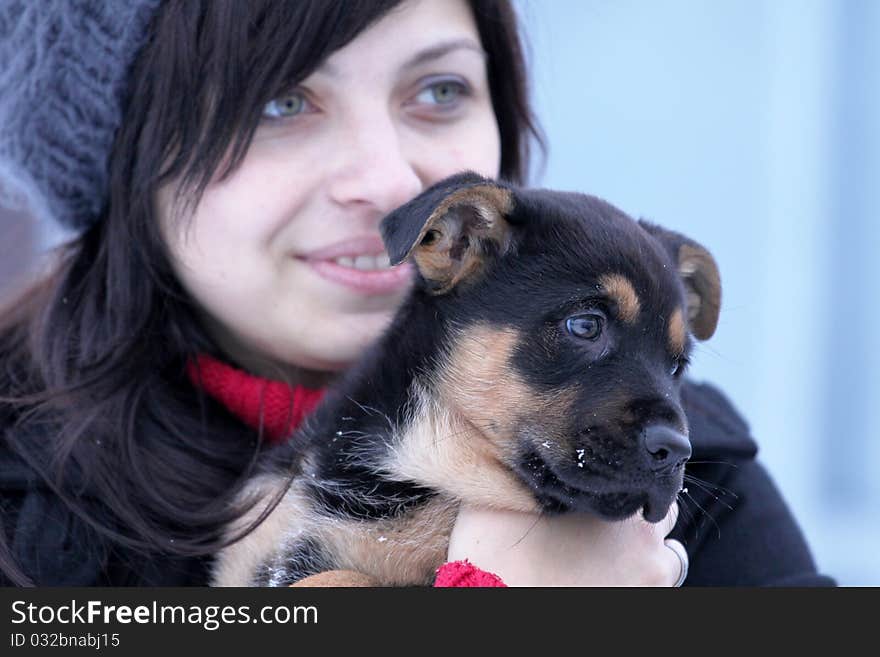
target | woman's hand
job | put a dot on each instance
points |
(571, 549)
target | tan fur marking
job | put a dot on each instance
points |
(702, 282)
(677, 332)
(236, 564)
(446, 452)
(464, 437)
(456, 440)
(395, 552)
(336, 579)
(434, 259)
(435, 263)
(490, 201)
(622, 292)
(479, 381)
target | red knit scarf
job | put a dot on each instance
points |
(273, 405)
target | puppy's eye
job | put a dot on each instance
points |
(588, 326)
(679, 366)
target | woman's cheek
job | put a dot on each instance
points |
(479, 149)
(481, 157)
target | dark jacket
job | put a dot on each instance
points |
(735, 525)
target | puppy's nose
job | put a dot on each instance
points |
(667, 448)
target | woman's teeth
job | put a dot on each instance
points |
(365, 262)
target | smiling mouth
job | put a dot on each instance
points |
(366, 274)
(556, 496)
(365, 262)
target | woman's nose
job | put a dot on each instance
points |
(372, 169)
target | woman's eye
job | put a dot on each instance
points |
(443, 92)
(286, 106)
(586, 327)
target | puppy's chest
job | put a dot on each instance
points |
(363, 518)
(399, 550)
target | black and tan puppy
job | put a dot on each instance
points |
(535, 366)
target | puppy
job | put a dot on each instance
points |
(535, 366)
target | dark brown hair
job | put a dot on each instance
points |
(94, 355)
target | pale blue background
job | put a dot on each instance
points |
(754, 127)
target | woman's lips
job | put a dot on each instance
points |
(359, 264)
(381, 281)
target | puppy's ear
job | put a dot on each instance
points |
(451, 230)
(699, 272)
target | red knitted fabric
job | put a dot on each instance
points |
(464, 573)
(252, 399)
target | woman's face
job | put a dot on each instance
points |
(284, 256)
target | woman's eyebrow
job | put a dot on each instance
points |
(439, 50)
(425, 55)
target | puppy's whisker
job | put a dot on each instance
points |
(690, 514)
(711, 494)
(717, 487)
(683, 507)
(706, 513)
(688, 505)
(728, 463)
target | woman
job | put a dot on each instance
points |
(224, 166)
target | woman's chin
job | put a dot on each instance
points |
(328, 358)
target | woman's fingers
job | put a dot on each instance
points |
(569, 549)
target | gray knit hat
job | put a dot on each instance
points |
(63, 69)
